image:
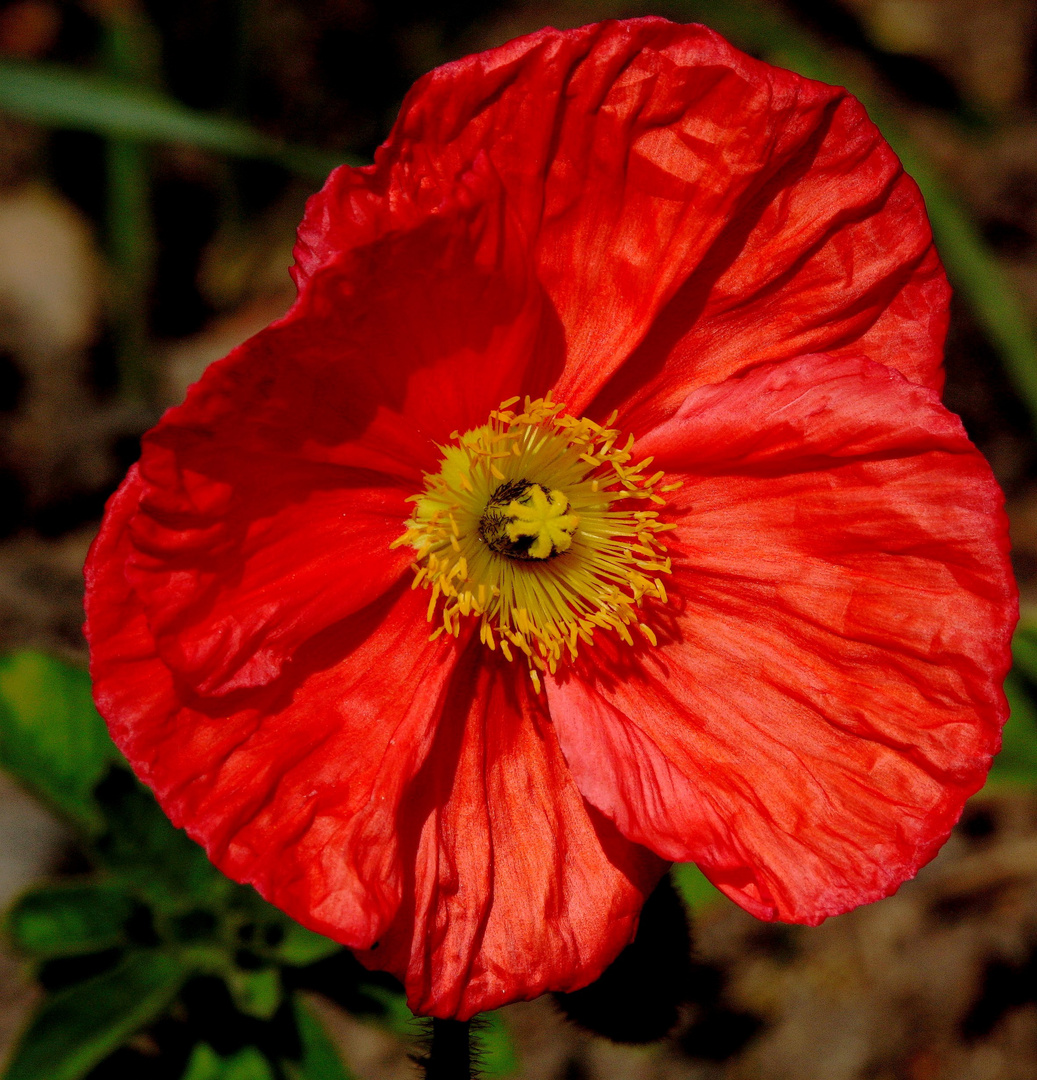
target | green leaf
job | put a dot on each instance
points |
(320, 1060)
(146, 851)
(204, 1064)
(1024, 651)
(394, 1016)
(67, 920)
(255, 993)
(246, 1064)
(63, 97)
(301, 946)
(1017, 761)
(79, 1027)
(694, 888)
(497, 1056)
(51, 737)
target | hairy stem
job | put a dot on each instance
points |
(450, 1055)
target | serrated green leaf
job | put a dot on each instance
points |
(301, 946)
(75, 1029)
(255, 993)
(320, 1060)
(693, 887)
(51, 737)
(63, 97)
(497, 1055)
(247, 1064)
(67, 920)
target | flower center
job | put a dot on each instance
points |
(539, 525)
(523, 521)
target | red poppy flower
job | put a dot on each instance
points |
(620, 368)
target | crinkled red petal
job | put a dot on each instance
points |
(692, 211)
(296, 788)
(827, 688)
(233, 586)
(839, 261)
(514, 885)
(270, 499)
(440, 314)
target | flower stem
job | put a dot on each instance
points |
(450, 1055)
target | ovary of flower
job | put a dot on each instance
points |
(545, 517)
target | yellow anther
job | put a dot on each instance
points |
(536, 525)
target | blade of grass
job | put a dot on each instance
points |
(131, 248)
(61, 97)
(319, 1060)
(129, 51)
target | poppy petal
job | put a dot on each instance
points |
(655, 168)
(833, 254)
(827, 690)
(437, 315)
(231, 589)
(518, 886)
(294, 788)
(424, 327)
(271, 497)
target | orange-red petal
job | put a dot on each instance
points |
(514, 885)
(690, 210)
(294, 788)
(270, 498)
(826, 691)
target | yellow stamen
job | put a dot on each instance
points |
(533, 526)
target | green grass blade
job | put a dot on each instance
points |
(130, 51)
(61, 97)
(320, 1060)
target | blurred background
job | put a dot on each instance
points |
(154, 161)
